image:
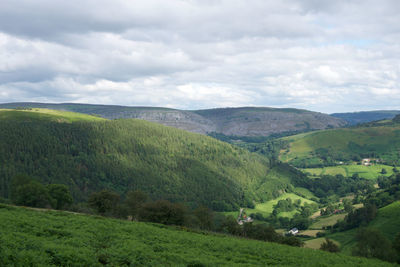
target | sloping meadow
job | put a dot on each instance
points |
(55, 238)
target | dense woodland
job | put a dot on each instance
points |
(125, 155)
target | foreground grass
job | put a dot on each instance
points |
(38, 238)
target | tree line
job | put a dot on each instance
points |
(137, 206)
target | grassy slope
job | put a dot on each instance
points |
(387, 221)
(381, 139)
(367, 172)
(89, 153)
(326, 221)
(61, 238)
(46, 115)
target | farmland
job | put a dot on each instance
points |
(266, 208)
(329, 147)
(367, 172)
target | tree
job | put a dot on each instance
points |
(32, 194)
(104, 201)
(329, 246)
(60, 195)
(292, 241)
(205, 217)
(17, 181)
(371, 243)
(134, 201)
(163, 211)
(396, 243)
(230, 226)
(396, 118)
(348, 207)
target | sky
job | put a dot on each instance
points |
(326, 56)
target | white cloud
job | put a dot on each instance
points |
(318, 55)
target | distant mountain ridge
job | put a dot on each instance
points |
(354, 118)
(243, 121)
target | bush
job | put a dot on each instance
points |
(329, 246)
(32, 194)
(104, 201)
(60, 195)
(163, 211)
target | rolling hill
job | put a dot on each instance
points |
(330, 147)
(244, 121)
(89, 154)
(50, 238)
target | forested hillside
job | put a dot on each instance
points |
(89, 154)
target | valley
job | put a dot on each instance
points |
(319, 182)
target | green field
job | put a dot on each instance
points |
(46, 114)
(367, 172)
(304, 192)
(343, 145)
(266, 208)
(39, 238)
(327, 221)
(316, 243)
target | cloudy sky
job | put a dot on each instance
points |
(327, 56)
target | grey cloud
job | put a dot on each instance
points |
(327, 56)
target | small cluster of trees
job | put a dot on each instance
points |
(285, 205)
(26, 191)
(137, 206)
(346, 206)
(357, 218)
(329, 246)
(300, 220)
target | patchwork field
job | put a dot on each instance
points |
(367, 172)
(266, 208)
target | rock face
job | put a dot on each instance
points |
(250, 121)
(244, 121)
